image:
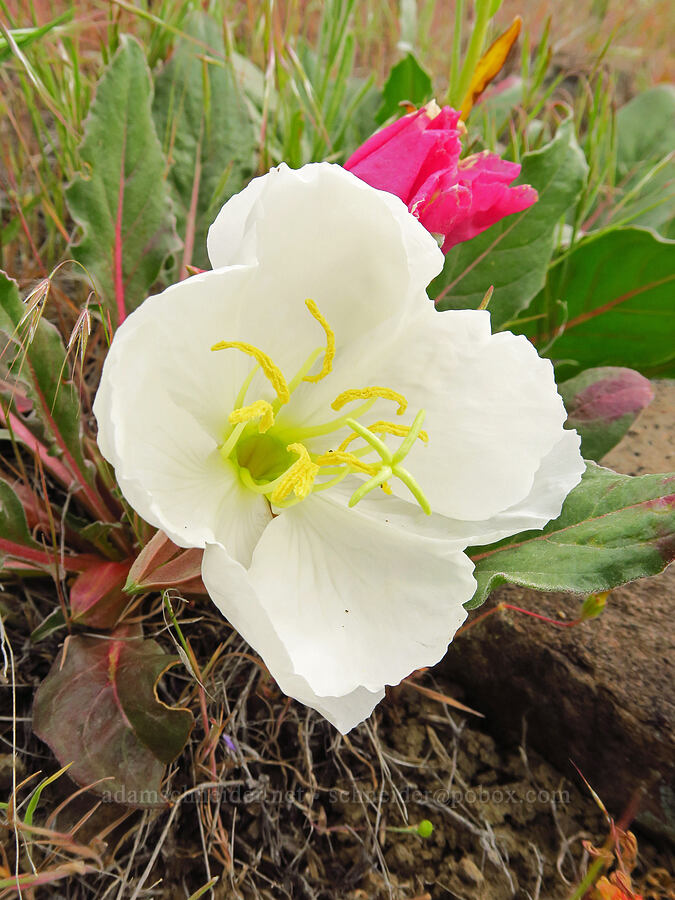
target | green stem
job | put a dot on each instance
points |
(485, 10)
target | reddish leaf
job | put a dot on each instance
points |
(98, 708)
(97, 597)
(602, 404)
(161, 564)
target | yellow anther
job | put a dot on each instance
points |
(299, 478)
(385, 487)
(270, 370)
(368, 394)
(329, 355)
(339, 457)
(392, 428)
(261, 409)
(384, 428)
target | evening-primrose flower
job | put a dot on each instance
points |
(304, 414)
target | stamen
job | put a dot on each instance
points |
(299, 478)
(399, 430)
(231, 441)
(384, 428)
(243, 390)
(338, 457)
(260, 409)
(336, 424)
(329, 355)
(270, 370)
(368, 393)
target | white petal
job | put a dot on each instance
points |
(162, 410)
(322, 233)
(251, 218)
(357, 603)
(493, 411)
(559, 472)
(228, 585)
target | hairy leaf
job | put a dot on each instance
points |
(617, 294)
(513, 255)
(602, 404)
(205, 130)
(121, 202)
(612, 529)
(98, 709)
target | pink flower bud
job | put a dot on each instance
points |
(417, 158)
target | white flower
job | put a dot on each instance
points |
(227, 404)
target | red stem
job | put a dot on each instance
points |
(118, 259)
(24, 434)
(79, 563)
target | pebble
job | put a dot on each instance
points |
(469, 871)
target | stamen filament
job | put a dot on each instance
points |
(231, 441)
(335, 425)
(304, 369)
(243, 390)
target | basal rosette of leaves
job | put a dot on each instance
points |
(338, 599)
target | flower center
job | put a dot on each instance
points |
(275, 461)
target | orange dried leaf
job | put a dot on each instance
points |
(490, 64)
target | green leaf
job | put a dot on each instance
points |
(98, 709)
(40, 364)
(612, 529)
(602, 404)
(121, 203)
(23, 37)
(645, 169)
(513, 255)
(205, 130)
(616, 292)
(13, 524)
(645, 128)
(407, 82)
(54, 622)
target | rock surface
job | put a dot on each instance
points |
(600, 694)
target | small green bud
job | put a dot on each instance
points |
(425, 828)
(593, 605)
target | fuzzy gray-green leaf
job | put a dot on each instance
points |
(205, 129)
(612, 529)
(121, 200)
